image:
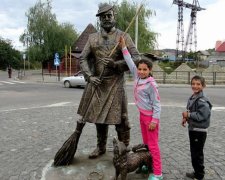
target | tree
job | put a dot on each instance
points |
(44, 35)
(9, 55)
(125, 11)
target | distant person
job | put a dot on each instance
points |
(147, 100)
(9, 71)
(198, 118)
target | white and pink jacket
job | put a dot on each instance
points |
(146, 93)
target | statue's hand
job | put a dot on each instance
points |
(94, 80)
(108, 62)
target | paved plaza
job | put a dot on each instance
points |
(30, 139)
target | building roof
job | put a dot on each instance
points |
(81, 41)
(152, 56)
(205, 53)
(76, 55)
(220, 46)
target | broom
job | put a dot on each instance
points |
(66, 153)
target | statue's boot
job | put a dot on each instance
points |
(102, 134)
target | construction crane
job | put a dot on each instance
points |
(191, 30)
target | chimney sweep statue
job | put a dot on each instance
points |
(104, 100)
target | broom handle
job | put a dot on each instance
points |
(111, 53)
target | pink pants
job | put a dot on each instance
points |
(151, 138)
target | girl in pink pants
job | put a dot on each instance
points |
(147, 100)
(151, 139)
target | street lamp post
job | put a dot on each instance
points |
(27, 38)
(28, 59)
(24, 63)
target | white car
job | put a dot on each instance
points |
(77, 80)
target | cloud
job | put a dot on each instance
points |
(209, 25)
(80, 13)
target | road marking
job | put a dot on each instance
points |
(19, 82)
(37, 107)
(46, 169)
(60, 104)
(218, 108)
(12, 82)
(7, 82)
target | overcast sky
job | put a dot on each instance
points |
(210, 22)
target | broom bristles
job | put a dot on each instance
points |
(65, 154)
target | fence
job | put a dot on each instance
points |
(184, 77)
(21, 74)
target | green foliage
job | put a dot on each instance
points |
(44, 35)
(211, 50)
(36, 65)
(9, 55)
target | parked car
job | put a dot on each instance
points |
(77, 80)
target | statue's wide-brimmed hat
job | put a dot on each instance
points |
(104, 8)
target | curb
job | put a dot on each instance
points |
(127, 82)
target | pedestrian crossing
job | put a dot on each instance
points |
(11, 82)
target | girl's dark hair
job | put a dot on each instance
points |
(199, 78)
(147, 62)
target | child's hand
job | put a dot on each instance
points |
(185, 114)
(152, 126)
(184, 121)
(122, 42)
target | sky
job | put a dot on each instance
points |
(210, 25)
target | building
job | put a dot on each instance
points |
(220, 46)
(216, 57)
(70, 63)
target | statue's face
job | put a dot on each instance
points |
(107, 20)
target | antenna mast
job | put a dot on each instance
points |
(191, 30)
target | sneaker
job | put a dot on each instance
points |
(142, 169)
(192, 176)
(154, 177)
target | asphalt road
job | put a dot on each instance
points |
(36, 118)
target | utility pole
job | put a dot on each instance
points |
(27, 39)
(24, 64)
(28, 59)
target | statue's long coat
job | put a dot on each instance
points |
(109, 102)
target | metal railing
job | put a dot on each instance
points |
(184, 77)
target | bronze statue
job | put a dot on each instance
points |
(109, 103)
(125, 161)
(104, 100)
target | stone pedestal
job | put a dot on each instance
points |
(84, 168)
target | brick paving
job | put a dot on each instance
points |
(30, 139)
